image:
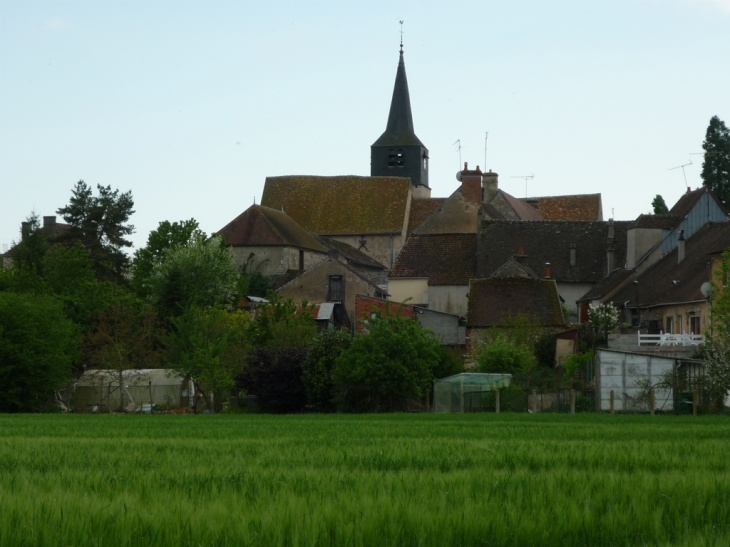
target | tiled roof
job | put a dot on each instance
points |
(609, 283)
(513, 268)
(667, 281)
(550, 241)
(664, 222)
(573, 207)
(524, 211)
(341, 205)
(446, 259)
(350, 253)
(492, 301)
(259, 225)
(686, 202)
(454, 216)
(421, 209)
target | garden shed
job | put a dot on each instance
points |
(468, 391)
(164, 388)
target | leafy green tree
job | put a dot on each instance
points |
(100, 224)
(716, 165)
(500, 356)
(209, 345)
(388, 364)
(282, 323)
(167, 236)
(318, 367)
(37, 347)
(660, 208)
(199, 273)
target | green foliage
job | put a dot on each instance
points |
(603, 318)
(282, 323)
(318, 367)
(450, 362)
(199, 273)
(387, 365)
(210, 345)
(37, 348)
(660, 208)
(100, 224)
(29, 253)
(167, 236)
(502, 356)
(520, 330)
(716, 165)
(574, 362)
(252, 282)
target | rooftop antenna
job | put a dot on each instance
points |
(458, 141)
(401, 35)
(682, 167)
(526, 177)
(486, 136)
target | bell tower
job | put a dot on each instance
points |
(398, 152)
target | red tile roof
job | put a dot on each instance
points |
(421, 209)
(573, 207)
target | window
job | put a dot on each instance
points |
(694, 325)
(336, 290)
(678, 325)
(670, 325)
(391, 158)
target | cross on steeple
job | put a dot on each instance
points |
(401, 35)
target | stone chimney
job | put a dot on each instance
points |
(490, 185)
(24, 227)
(680, 247)
(49, 221)
(471, 185)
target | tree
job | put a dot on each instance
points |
(167, 236)
(660, 208)
(209, 345)
(603, 318)
(282, 323)
(37, 348)
(716, 165)
(387, 365)
(100, 223)
(500, 356)
(123, 337)
(318, 367)
(29, 253)
(199, 273)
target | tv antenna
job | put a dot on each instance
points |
(458, 141)
(486, 136)
(526, 177)
(682, 167)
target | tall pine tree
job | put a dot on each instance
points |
(716, 166)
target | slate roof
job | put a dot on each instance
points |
(657, 283)
(421, 209)
(549, 241)
(350, 253)
(341, 205)
(259, 225)
(573, 207)
(492, 301)
(446, 259)
(664, 222)
(609, 283)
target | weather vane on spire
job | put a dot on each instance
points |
(401, 35)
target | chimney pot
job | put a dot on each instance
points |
(547, 270)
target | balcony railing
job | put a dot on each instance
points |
(667, 339)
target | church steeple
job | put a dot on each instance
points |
(398, 151)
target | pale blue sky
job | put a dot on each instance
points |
(192, 104)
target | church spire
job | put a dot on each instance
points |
(398, 152)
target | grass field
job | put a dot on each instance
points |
(380, 480)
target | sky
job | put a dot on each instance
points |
(192, 104)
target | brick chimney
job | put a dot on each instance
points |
(490, 185)
(680, 247)
(547, 270)
(49, 221)
(471, 185)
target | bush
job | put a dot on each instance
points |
(319, 365)
(274, 376)
(500, 356)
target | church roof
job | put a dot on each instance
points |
(399, 131)
(259, 225)
(341, 205)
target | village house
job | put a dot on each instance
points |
(51, 229)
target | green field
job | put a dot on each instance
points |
(380, 480)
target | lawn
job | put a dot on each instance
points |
(380, 480)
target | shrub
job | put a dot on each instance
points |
(274, 376)
(500, 356)
(319, 365)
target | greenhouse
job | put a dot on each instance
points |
(468, 392)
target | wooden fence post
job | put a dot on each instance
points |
(572, 401)
(612, 397)
(695, 402)
(651, 402)
(496, 401)
(534, 400)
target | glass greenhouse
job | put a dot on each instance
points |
(468, 392)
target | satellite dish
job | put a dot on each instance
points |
(458, 176)
(706, 289)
